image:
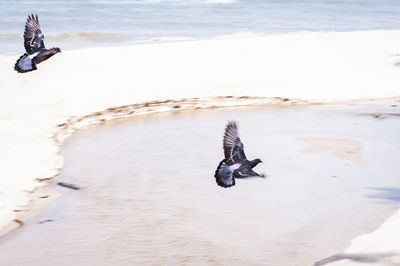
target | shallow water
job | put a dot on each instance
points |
(86, 23)
(149, 197)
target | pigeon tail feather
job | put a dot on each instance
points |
(24, 64)
(224, 175)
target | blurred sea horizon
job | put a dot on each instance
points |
(87, 23)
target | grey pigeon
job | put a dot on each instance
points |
(235, 164)
(34, 46)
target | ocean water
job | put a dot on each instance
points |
(83, 23)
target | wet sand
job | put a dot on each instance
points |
(148, 195)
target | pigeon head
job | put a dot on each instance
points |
(254, 162)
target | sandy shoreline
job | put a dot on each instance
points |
(42, 196)
(55, 101)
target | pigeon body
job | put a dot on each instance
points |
(235, 164)
(34, 47)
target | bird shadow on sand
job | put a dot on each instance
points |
(387, 194)
(382, 258)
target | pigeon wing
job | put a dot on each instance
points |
(33, 36)
(244, 172)
(233, 147)
(45, 54)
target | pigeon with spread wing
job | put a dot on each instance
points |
(235, 164)
(34, 46)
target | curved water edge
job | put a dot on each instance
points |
(67, 129)
(37, 203)
(64, 130)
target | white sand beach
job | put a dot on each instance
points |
(76, 88)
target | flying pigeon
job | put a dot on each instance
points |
(34, 46)
(235, 164)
